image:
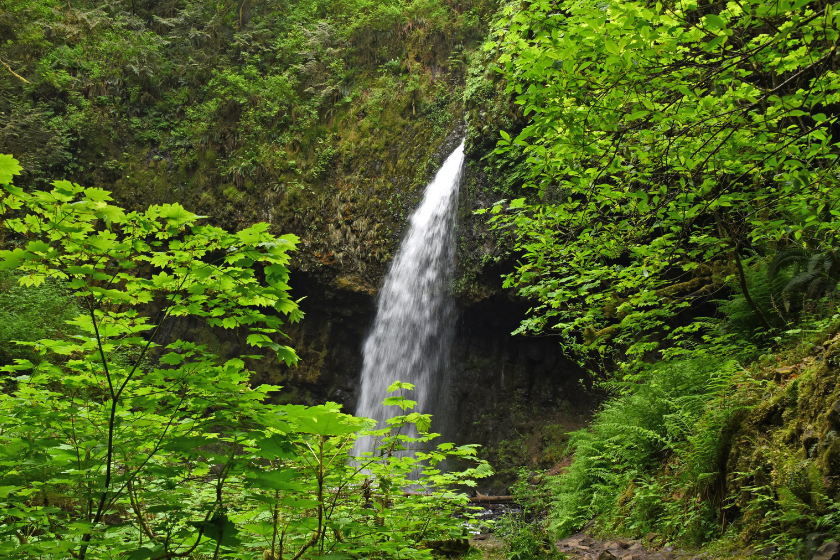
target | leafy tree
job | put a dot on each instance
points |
(116, 446)
(681, 140)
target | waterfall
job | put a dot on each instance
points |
(412, 333)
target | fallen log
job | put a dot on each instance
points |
(480, 499)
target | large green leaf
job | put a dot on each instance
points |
(219, 529)
(9, 167)
(323, 421)
(280, 479)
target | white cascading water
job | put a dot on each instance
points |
(413, 329)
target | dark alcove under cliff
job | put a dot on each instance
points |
(503, 388)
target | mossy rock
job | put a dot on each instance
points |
(449, 548)
(785, 453)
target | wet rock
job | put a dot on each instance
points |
(834, 414)
(452, 547)
(769, 551)
(607, 555)
(813, 541)
(828, 551)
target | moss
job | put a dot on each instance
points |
(485, 254)
(626, 497)
(540, 444)
(353, 284)
(294, 136)
(784, 461)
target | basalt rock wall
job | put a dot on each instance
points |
(503, 388)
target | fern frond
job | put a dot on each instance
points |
(814, 262)
(784, 259)
(636, 430)
(801, 281)
(817, 287)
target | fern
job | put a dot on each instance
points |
(679, 410)
(814, 273)
(787, 258)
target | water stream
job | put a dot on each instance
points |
(411, 335)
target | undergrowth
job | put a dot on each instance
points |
(30, 313)
(730, 440)
(676, 415)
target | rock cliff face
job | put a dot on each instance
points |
(339, 155)
(785, 442)
(495, 372)
(503, 387)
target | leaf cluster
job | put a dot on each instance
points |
(684, 139)
(118, 444)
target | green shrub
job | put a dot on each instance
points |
(30, 313)
(676, 410)
(526, 540)
(108, 455)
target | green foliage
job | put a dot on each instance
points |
(525, 533)
(679, 139)
(31, 313)
(683, 159)
(9, 167)
(28, 314)
(679, 411)
(244, 110)
(701, 449)
(526, 541)
(114, 445)
(766, 292)
(255, 82)
(815, 273)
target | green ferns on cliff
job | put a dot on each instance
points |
(705, 450)
(305, 114)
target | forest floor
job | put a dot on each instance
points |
(584, 546)
(491, 547)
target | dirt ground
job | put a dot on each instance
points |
(586, 547)
(583, 546)
(491, 546)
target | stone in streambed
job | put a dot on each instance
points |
(828, 551)
(451, 547)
